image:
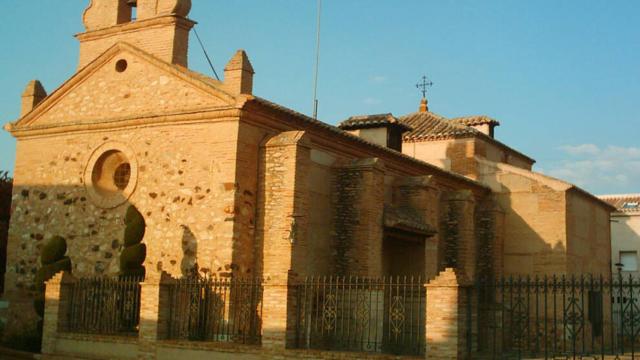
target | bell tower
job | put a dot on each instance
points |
(159, 27)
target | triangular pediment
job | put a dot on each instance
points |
(126, 83)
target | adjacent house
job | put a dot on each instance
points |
(625, 232)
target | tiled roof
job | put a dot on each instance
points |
(626, 203)
(366, 121)
(430, 126)
(406, 219)
(475, 120)
(339, 132)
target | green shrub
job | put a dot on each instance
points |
(42, 275)
(133, 256)
(46, 272)
(134, 251)
(135, 272)
(133, 216)
(53, 261)
(133, 233)
(53, 250)
(63, 264)
(38, 304)
(29, 340)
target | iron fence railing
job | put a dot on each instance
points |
(362, 314)
(215, 309)
(558, 316)
(104, 306)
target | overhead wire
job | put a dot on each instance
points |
(206, 55)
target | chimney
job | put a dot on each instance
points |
(381, 129)
(238, 74)
(161, 28)
(32, 95)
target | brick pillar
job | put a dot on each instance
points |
(153, 320)
(56, 309)
(448, 316)
(358, 215)
(282, 231)
(497, 214)
(459, 232)
(490, 238)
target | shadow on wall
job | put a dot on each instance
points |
(6, 184)
(189, 263)
(94, 237)
(524, 249)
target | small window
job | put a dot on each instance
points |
(121, 176)
(111, 173)
(121, 65)
(631, 205)
(629, 260)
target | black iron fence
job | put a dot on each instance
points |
(362, 314)
(558, 316)
(215, 309)
(105, 306)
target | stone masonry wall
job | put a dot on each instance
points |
(185, 190)
(140, 89)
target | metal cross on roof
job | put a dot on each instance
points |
(423, 85)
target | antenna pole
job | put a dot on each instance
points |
(315, 78)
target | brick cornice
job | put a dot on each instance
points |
(182, 73)
(149, 120)
(137, 25)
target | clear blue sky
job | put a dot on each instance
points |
(563, 77)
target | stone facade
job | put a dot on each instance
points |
(232, 185)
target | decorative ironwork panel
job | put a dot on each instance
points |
(362, 314)
(578, 316)
(105, 306)
(215, 309)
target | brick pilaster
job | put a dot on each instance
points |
(358, 214)
(490, 239)
(151, 321)
(55, 309)
(282, 231)
(459, 232)
(448, 316)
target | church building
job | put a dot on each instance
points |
(231, 184)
